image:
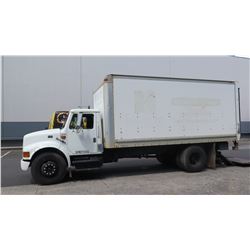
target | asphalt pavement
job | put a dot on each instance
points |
(132, 176)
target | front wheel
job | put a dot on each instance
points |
(48, 168)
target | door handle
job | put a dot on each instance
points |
(94, 140)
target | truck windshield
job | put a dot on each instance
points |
(58, 119)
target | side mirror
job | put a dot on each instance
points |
(79, 121)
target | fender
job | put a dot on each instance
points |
(39, 146)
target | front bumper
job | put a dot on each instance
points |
(25, 165)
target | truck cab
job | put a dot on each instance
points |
(50, 153)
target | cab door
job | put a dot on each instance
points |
(82, 134)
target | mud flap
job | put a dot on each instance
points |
(211, 154)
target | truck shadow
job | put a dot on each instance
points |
(133, 167)
(123, 168)
(127, 168)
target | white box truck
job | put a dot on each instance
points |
(185, 120)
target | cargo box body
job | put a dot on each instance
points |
(149, 111)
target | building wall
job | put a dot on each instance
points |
(34, 87)
(1, 85)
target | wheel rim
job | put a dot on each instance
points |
(194, 158)
(49, 169)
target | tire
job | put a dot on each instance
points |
(48, 168)
(192, 159)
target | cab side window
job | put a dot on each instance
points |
(87, 121)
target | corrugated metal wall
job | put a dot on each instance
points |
(35, 86)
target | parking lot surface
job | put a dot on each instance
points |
(132, 176)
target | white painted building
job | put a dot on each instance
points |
(35, 86)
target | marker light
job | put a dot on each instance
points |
(26, 154)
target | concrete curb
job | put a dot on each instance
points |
(11, 148)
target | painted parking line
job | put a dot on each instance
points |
(5, 154)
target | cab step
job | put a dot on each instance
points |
(83, 162)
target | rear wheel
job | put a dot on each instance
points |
(48, 168)
(192, 159)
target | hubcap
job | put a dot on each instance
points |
(48, 169)
(194, 158)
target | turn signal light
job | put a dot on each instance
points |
(26, 154)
